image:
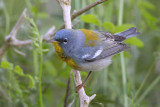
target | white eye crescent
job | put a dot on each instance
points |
(65, 40)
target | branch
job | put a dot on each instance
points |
(46, 37)
(67, 91)
(66, 6)
(49, 33)
(78, 13)
(11, 39)
(12, 36)
(18, 24)
(17, 42)
(84, 99)
(71, 103)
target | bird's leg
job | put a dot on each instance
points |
(83, 83)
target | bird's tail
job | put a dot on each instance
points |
(128, 33)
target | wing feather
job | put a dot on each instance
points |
(108, 45)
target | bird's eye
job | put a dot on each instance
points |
(65, 40)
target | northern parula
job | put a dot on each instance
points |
(88, 50)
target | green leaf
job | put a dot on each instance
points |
(89, 18)
(135, 41)
(18, 70)
(6, 65)
(146, 4)
(45, 50)
(35, 44)
(123, 27)
(149, 16)
(31, 81)
(34, 9)
(126, 54)
(34, 32)
(109, 27)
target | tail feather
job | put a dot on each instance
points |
(128, 33)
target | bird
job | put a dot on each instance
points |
(89, 50)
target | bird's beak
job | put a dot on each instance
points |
(52, 41)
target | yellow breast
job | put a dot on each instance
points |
(62, 56)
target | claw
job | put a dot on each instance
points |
(83, 84)
(79, 87)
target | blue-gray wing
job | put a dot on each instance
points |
(106, 52)
(109, 46)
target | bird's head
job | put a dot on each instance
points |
(65, 40)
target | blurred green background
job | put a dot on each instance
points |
(19, 73)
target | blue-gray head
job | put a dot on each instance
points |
(68, 40)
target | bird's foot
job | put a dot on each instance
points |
(83, 83)
(79, 87)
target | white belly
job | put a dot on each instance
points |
(96, 65)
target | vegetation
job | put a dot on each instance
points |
(33, 76)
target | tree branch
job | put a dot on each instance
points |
(84, 99)
(67, 91)
(78, 13)
(12, 36)
(11, 39)
(66, 6)
(49, 33)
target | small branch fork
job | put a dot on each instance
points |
(84, 99)
(83, 10)
(11, 39)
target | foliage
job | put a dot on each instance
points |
(21, 77)
(14, 90)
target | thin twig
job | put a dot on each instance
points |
(67, 91)
(71, 103)
(76, 23)
(49, 33)
(11, 39)
(3, 49)
(12, 36)
(20, 43)
(19, 52)
(18, 24)
(78, 13)
(84, 99)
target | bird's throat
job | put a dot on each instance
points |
(63, 57)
